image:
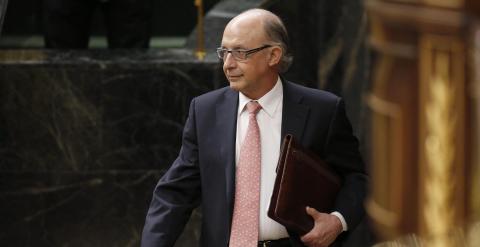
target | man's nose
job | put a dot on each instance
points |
(229, 61)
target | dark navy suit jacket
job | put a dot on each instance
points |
(204, 172)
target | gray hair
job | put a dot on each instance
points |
(276, 31)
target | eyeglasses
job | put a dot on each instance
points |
(239, 55)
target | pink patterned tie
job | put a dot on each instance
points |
(247, 186)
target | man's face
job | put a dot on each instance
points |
(247, 76)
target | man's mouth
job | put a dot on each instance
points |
(234, 76)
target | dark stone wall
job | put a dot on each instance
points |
(84, 137)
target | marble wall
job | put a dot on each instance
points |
(84, 136)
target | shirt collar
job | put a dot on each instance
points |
(269, 101)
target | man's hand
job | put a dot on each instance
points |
(326, 229)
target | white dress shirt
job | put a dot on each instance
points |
(269, 120)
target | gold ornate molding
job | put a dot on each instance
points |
(442, 139)
(441, 122)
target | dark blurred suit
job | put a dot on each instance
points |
(67, 22)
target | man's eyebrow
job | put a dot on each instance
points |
(238, 47)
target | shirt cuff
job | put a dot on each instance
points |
(342, 220)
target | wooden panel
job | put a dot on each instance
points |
(456, 4)
(473, 8)
(393, 103)
(473, 173)
(417, 17)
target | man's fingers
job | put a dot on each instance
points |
(307, 237)
(313, 212)
(325, 229)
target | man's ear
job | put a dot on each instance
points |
(275, 54)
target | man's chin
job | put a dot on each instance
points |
(235, 86)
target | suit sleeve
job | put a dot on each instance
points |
(177, 193)
(343, 154)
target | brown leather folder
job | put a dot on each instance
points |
(303, 179)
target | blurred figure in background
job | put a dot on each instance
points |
(3, 8)
(67, 22)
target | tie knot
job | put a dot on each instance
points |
(253, 107)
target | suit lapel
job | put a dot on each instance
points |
(294, 114)
(226, 131)
(294, 117)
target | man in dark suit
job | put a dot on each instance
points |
(240, 127)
